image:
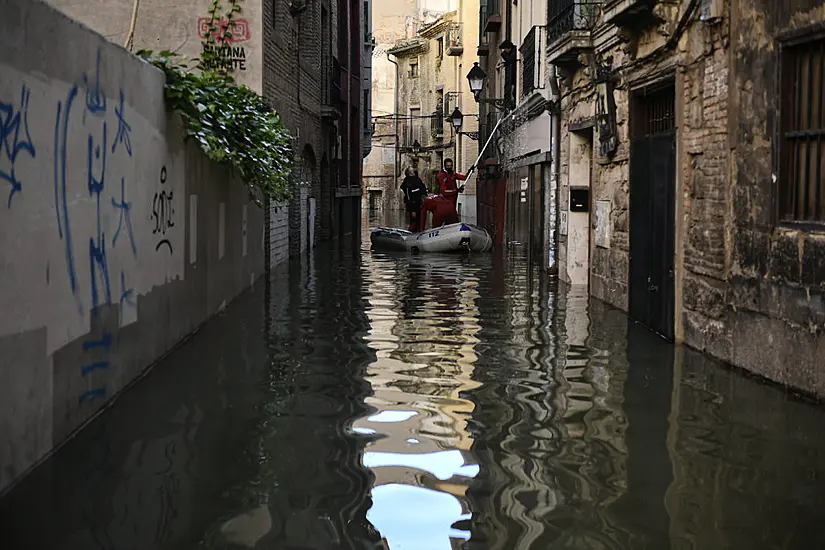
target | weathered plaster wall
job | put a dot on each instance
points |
(393, 21)
(468, 149)
(179, 27)
(770, 316)
(116, 240)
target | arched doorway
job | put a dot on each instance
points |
(325, 195)
(306, 193)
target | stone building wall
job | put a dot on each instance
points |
(748, 286)
(770, 316)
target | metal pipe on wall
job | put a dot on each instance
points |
(551, 226)
(395, 116)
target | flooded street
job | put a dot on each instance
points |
(435, 402)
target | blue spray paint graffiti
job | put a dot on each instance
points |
(124, 208)
(97, 248)
(96, 165)
(95, 99)
(123, 129)
(61, 206)
(11, 142)
(103, 345)
(127, 295)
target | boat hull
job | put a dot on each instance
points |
(457, 237)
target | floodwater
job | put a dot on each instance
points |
(431, 402)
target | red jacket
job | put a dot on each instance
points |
(443, 211)
(448, 184)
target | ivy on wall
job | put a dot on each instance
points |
(231, 123)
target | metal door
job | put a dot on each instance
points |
(652, 212)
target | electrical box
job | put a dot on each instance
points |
(579, 199)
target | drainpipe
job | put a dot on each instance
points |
(395, 116)
(551, 229)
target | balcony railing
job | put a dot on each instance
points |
(564, 16)
(437, 124)
(532, 60)
(455, 40)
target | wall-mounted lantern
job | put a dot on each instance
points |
(476, 78)
(606, 108)
(457, 120)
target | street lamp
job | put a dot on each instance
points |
(416, 147)
(476, 78)
(457, 118)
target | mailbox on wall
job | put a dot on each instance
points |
(579, 199)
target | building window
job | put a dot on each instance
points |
(366, 117)
(414, 127)
(802, 146)
(414, 67)
(366, 21)
(440, 42)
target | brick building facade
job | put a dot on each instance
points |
(690, 193)
(312, 76)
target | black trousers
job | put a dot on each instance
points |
(415, 222)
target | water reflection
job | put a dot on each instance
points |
(432, 402)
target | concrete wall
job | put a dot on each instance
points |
(116, 240)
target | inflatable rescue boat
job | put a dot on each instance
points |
(457, 237)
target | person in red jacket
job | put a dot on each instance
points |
(448, 182)
(443, 211)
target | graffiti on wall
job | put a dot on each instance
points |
(93, 159)
(227, 50)
(14, 139)
(239, 33)
(163, 213)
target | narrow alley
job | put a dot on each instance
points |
(435, 402)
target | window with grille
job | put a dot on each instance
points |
(413, 68)
(802, 143)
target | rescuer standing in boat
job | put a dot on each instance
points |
(447, 181)
(414, 194)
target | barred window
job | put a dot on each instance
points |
(802, 145)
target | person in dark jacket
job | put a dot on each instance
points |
(414, 194)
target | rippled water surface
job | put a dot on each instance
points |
(431, 402)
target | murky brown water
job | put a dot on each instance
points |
(435, 402)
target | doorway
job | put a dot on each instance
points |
(652, 209)
(375, 200)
